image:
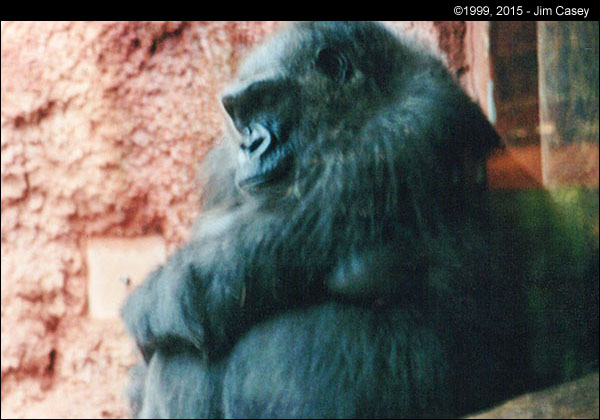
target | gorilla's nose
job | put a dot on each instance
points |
(256, 140)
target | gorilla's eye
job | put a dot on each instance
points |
(334, 64)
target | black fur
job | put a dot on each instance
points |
(341, 265)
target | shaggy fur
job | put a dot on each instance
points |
(353, 280)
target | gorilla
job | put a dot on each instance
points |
(343, 264)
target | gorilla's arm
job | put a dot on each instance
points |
(154, 312)
(380, 274)
(206, 294)
(199, 297)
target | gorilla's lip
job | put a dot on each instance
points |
(267, 176)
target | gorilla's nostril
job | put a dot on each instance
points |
(255, 144)
(257, 140)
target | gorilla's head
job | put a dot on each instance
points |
(352, 111)
(307, 85)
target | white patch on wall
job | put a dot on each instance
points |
(115, 266)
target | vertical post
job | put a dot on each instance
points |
(568, 89)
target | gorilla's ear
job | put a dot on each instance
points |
(334, 64)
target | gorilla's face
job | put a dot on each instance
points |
(262, 114)
(294, 71)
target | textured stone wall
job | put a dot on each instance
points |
(103, 124)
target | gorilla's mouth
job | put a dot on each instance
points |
(273, 166)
